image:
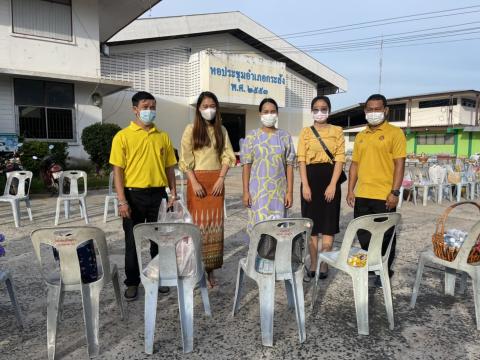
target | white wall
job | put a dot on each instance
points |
(437, 116)
(81, 57)
(7, 112)
(174, 113)
(85, 114)
(467, 115)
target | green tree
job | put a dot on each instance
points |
(97, 142)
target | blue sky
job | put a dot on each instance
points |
(406, 70)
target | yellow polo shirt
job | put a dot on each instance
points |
(143, 155)
(374, 152)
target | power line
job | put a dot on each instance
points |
(354, 26)
(384, 36)
(308, 47)
(354, 43)
(373, 23)
(405, 45)
(396, 41)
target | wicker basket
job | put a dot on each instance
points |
(442, 250)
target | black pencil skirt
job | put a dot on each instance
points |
(325, 215)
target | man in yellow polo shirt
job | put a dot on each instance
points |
(378, 165)
(143, 161)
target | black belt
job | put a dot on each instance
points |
(150, 189)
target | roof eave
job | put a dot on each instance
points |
(242, 27)
(114, 16)
(103, 86)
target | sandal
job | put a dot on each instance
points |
(309, 275)
(211, 281)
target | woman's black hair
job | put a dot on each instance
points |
(200, 133)
(324, 98)
(267, 100)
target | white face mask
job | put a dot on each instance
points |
(147, 116)
(208, 114)
(320, 117)
(269, 120)
(375, 118)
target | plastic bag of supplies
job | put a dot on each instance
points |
(184, 249)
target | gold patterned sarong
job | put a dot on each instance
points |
(207, 214)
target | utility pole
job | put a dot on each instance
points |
(380, 66)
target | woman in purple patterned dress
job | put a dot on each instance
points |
(267, 156)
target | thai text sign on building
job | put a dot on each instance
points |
(240, 79)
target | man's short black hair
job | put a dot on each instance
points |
(376, 97)
(141, 95)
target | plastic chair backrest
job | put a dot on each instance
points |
(470, 241)
(73, 176)
(377, 225)
(284, 231)
(66, 240)
(111, 184)
(23, 189)
(166, 236)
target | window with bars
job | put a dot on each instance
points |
(437, 103)
(469, 103)
(396, 112)
(435, 139)
(45, 109)
(50, 19)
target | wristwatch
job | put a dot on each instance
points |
(395, 192)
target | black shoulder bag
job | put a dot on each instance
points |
(342, 177)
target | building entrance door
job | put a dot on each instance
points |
(235, 125)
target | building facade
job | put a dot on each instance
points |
(176, 58)
(436, 123)
(50, 82)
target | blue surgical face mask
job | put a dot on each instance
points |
(147, 116)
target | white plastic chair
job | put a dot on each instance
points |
(451, 267)
(459, 186)
(66, 240)
(72, 177)
(377, 225)
(24, 179)
(412, 192)
(166, 236)
(423, 184)
(284, 231)
(476, 188)
(111, 196)
(445, 187)
(6, 278)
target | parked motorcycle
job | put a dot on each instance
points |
(50, 172)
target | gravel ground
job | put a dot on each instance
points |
(440, 327)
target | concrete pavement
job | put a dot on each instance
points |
(440, 327)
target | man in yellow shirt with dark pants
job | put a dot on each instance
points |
(377, 168)
(143, 161)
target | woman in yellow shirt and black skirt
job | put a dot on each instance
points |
(321, 155)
